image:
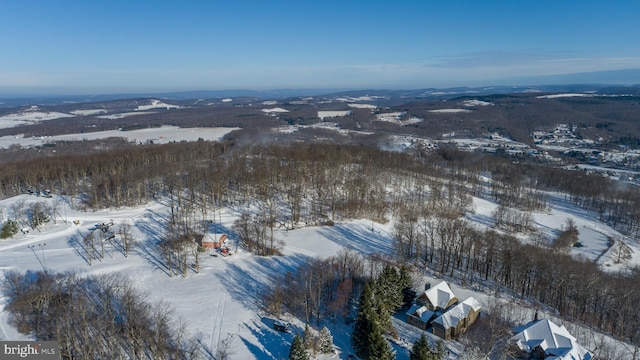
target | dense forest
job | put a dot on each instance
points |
(428, 195)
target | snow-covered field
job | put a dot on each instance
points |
(450, 111)
(275, 110)
(329, 114)
(34, 114)
(556, 96)
(160, 135)
(475, 102)
(398, 118)
(88, 112)
(219, 301)
(157, 104)
(124, 115)
(363, 106)
(30, 116)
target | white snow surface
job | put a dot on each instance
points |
(88, 112)
(593, 235)
(555, 96)
(359, 98)
(221, 298)
(124, 115)
(217, 301)
(30, 116)
(450, 111)
(475, 102)
(157, 104)
(329, 114)
(160, 135)
(363, 106)
(275, 110)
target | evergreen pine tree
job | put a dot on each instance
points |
(405, 279)
(364, 323)
(298, 351)
(388, 289)
(421, 350)
(406, 286)
(326, 341)
(379, 348)
(9, 229)
(439, 352)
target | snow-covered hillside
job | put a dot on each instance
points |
(30, 115)
(159, 135)
(219, 301)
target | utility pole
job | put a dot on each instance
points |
(44, 261)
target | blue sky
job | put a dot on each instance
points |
(94, 46)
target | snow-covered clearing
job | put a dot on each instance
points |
(220, 300)
(397, 118)
(124, 115)
(29, 116)
(88, 112)
(275, 110)
(475, 102)
(556, 96)
(289, 129)
(597, 240)
(159, 135)
(329, 114)
(217, 301)
(363, 106)
(359, 98)
(157, 104)
(450, 111)
(392, 116)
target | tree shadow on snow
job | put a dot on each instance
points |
(276, 344)
(148, 249)
(75, 242)
(366, 240)
(250, 285)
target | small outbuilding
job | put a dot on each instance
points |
(211, 241)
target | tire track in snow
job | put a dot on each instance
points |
(217, 320)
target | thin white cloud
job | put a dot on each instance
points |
(485, 68)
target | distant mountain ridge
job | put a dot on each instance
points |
(7, 101)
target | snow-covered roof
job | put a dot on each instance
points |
(213, 237)
(555, 340)
(439, 295)
(451, 318)
(420, 312)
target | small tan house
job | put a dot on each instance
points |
(455, 321)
